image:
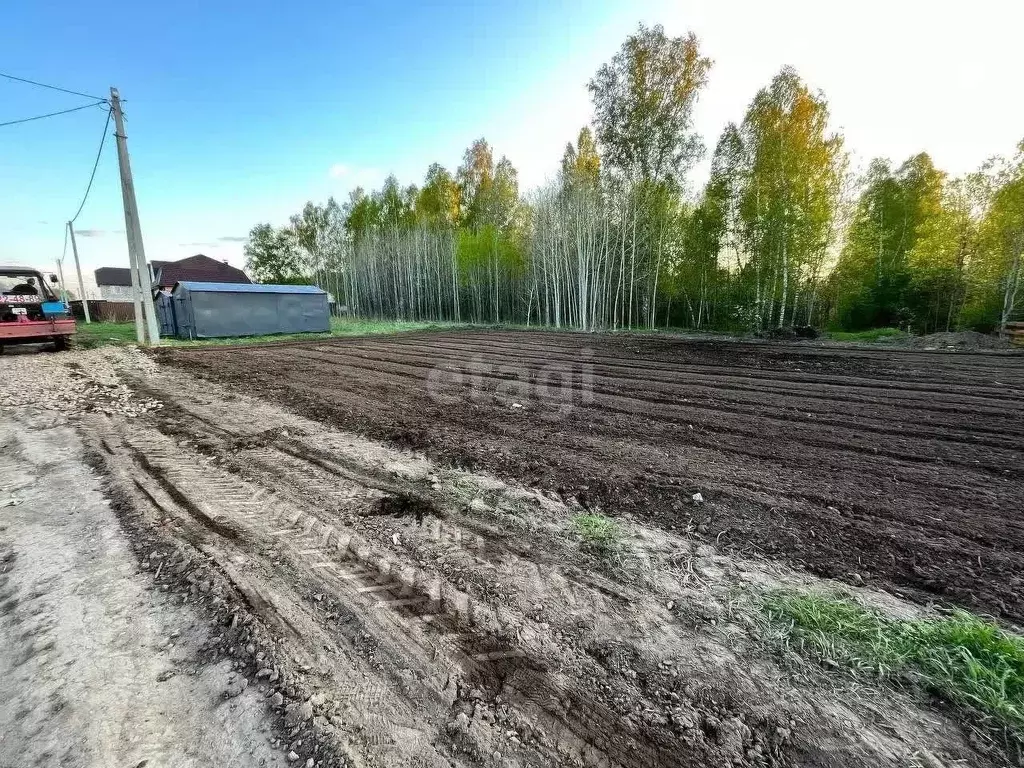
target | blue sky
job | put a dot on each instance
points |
(239, 112)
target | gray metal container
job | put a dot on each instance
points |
(216, 310)
(165, 315)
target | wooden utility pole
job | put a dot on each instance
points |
(145, 315)
(78, 269)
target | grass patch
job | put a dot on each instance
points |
(960, 657)
(103, 334)
(600, 532)
(874, 334)
(106, 334)
(340, 326)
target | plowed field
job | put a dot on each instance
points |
(902, 469)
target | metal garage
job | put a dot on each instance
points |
(215, 310)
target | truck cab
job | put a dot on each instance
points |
(30, 311)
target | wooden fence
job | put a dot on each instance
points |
(105, 311)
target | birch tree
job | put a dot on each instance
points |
(1000, 269)
(790, 193)
(873, 277)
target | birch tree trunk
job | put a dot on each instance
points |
(1010, 295)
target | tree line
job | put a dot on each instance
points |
(783, 233)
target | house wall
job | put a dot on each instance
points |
(116, 292)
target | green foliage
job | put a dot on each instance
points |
(875, 270)
(272, 255)
(874, 334)
(961, 657)
(788, 193)
(596, 530)
(439, 203)
(929, 253)
(994, 278)
(643, 104)
(362, 215)
(581, 164)
(490, 193)
(91, 335)
(310, 226)
(489, 247)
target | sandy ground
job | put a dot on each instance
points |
(193, 575)
(97, 668)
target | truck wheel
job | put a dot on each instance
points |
(60, 344)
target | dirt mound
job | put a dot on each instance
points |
(958, 340)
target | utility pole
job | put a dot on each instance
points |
(140, 323)
(141, 285)
(60, 274)
(78, 269)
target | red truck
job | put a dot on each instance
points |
(30, 312)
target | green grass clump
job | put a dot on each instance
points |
(874, 334)
(598, 531)
(88, 336)
(351, 326)
(961, 657)
(106, 334)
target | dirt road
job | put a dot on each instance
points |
(96, 667)
(897, 468)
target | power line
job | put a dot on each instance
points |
(51, 87)
(95, 165)
(52, 114)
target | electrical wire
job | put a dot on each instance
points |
(95, 165)
(51, 87)
(98, 101)
(51, 114)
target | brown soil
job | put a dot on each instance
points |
(888, 467)
(397, 612)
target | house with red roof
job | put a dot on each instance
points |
(198, 268)
(114, 283)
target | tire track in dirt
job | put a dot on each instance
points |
(423, 611)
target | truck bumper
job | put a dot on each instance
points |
(35, 331)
